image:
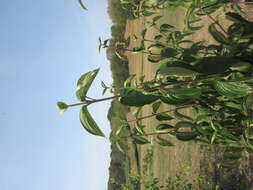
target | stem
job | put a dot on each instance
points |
(88, 102)
(153, 134)
(154, 114)
(141, 52)
(79, 104)
(94, 101)
(184, 82)
(104, 99)
(213, 19)
(162, 133)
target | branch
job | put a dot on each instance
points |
(213, 19)
(154, 114)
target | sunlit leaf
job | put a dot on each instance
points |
(89, 123)
(136, 97)
(232, 89)
(84, 83)
(128, 81)
(120, 145)
(139, 128)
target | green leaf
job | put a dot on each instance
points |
(103, 84)
(163, 128)
(100, 44)
(214, 137)
(121, 129)
(89, 123)
(140, 140)
(191, 18)
(168, 52)
(136, 97)
(184, 124)
(232, 156)
(155, 46)
(120, 146)
(203, 131)
(187, 136)
(165, 28)
(193, 93)
(178, 70)
(128, 81)
(213, 64)
(232, 89)
(158, 37)
(62, 107)
(154, 58)
(201, 117)
(232, 105)
(84, 83)
(174, 100)
(236, 18)
(180, 96)
(118, 55)
(140, 48)
(82, 5)
(247, 105)
(241, 66)
(139, 128)
(156, 18)
(143, 33)
(155, 106)
(218, 36)
(163, 142)
(182, 116)
(137, 111)
(225, 165)
(163, 117)
(147, 13)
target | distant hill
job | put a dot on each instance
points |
(117, 112)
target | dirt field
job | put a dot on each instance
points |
(169, 161)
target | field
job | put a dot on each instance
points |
(167, 162)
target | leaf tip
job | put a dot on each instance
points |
(62, 107)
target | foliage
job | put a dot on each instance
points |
(180, 181)
(214, 80)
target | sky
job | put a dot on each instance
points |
(45, 46)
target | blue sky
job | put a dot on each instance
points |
(45, 46)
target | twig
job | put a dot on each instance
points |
(213, 19)
(154, 114)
